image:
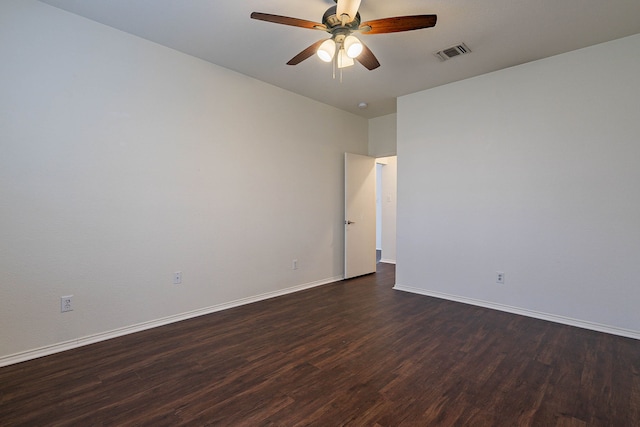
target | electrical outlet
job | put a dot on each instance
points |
(294, 264)
(500, 277)
(66, 304)
(177, 277)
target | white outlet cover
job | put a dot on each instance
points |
(177, 277)
(66, 303)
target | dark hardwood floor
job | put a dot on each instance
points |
(350, 353)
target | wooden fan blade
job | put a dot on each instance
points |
(367, 58)
(305, 54)
(398, 24)
(285, 20)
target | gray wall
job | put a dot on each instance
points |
(533, 171)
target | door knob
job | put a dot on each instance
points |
(349, 222)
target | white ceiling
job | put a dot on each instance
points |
(500, 34)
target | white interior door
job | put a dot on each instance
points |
(360, 215)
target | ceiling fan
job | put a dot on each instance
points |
(341, 21)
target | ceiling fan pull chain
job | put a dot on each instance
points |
(333, 65)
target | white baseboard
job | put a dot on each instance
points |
(388, 261)
(525, 312)
(103, 336)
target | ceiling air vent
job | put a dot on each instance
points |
(452, 52)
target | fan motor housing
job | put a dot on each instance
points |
(334, 23)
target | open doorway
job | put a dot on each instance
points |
(370, 213)
(386, 190)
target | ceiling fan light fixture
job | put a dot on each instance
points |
(326, 50)
(352, 46)
(344, 60)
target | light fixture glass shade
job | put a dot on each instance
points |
(344, 60)
(349, 8)
(326, 50)
(352, 46)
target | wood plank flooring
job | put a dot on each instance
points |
(351, 353)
